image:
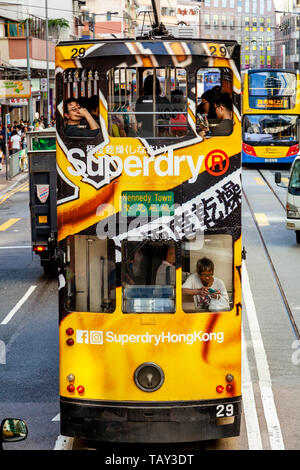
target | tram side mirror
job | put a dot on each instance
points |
(277, 177)
(13, 430)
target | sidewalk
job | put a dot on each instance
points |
(6, 185)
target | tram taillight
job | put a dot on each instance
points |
(220, 388)
(40, 248)
(80, 389)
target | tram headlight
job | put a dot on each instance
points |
(149, 377)
(229, 378)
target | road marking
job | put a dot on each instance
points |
(64, 443)
(8, 224)
(261, 219)
(262, 366)
(252, 426)
(2, 352)
(18, 247)
(25, 188)
(11, 192)
(259, 181)
(17, 307)
(57, 417)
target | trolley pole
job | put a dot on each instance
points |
(47, 60)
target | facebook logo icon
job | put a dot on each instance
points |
(82, 336)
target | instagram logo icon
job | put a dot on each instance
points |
(96, 337)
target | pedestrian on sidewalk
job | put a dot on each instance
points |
(15, 142)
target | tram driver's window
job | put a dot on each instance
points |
(90, 274)
(148, 277)
(207, 274)
(214, 104)
(147, 102)
(81, 103)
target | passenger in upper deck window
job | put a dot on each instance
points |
(79, 122)
(223, 108)
(208, 291)
(144, 105)
(178, 121)
(205, 111)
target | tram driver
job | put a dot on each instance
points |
(208, 291)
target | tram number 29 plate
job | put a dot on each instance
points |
(225, 410)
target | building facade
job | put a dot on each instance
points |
(287, 39)
(250, 22)
(24, 51)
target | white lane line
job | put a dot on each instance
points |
(15, 247)
(14, 310)
(265, 383)
(252, 426)
(64, 443)
(56, 418)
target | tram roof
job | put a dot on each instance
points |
(161, 46)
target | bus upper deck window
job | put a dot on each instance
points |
(267, 86)
(81, 103)
(90, 274)
(148, 277)
(207, 273)
(147, 102)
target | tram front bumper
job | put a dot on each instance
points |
(150, 422)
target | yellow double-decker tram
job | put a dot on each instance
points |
(149, 217)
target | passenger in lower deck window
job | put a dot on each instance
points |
(208, 291)
(165, 275)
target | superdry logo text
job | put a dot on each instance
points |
(108, 167)
(99, 337)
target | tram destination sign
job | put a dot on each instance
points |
(147, 203)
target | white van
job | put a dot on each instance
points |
(293, 198)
